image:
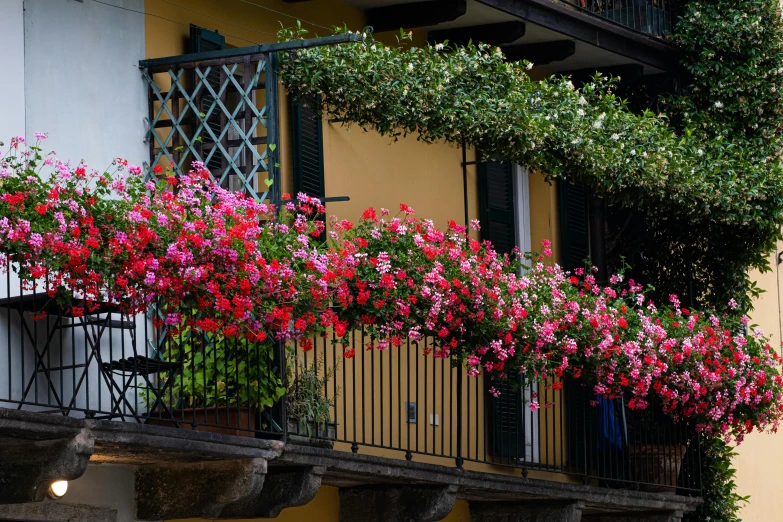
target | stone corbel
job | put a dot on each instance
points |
(284, 487)
(397, 503)
(206, 489)
(28, 467)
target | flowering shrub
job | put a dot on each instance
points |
(221, 263)
(495, 315)
(185, 244)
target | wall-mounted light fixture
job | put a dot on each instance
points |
(58, 489)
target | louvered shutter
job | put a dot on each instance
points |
(506, 421)
(575, 248)
(574, 225)
(506, 433)
(308, 149)
(203, 40)
(496, 194)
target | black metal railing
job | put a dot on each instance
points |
(403, 399)
(92, 361)
(653, 17)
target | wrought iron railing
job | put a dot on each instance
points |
(404, 400)
(84, 361)
(215, 107)
(92, 361)
(653, 17)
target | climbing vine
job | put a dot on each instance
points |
(701, 184)
(707, 174)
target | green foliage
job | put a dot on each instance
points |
(721, 502)
(709, 177)
(307, 400)
(222, 371)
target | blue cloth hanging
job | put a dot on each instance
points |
(610, 436)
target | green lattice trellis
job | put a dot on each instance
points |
(210, 112)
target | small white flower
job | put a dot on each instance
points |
(615, 136)
(439, 47)
(410, 67)
(718, 104)
(700, 152)
(529, 66)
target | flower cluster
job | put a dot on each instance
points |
(184, 244)
(496, 315)
(222, 263)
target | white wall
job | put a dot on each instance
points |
(81, 80)
(12, 104)
(70, 68)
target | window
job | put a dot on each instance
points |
(505, 221)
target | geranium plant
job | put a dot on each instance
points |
(219, 263)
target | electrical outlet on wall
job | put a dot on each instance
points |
(434, 419)
(411, 412)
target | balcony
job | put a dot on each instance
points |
(652, 17)
(210, 411)
(398, 403)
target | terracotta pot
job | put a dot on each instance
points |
(226, 420)
(657, 466)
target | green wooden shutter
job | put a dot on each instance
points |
(575, 248)
(308, 149)
(506, 421)
(496, 196)
(505, 418)
(574, 225)
(203, 40)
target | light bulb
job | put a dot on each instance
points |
(58, 489)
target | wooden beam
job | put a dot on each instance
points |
(491, 34)
(540, 53)
(418, 14)
(630, 73)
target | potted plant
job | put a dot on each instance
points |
(656, 448)
(222, 386)
(308, 404)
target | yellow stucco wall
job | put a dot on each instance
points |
(325, 508)
(760, 461)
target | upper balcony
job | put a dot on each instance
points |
(558, 36)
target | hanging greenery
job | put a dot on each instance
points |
(712, 182)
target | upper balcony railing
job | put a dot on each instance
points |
(653, 17)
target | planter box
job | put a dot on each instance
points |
(225, 420)
(658, 466)
(311, 431)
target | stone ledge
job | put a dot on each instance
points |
(344, 469)
(131, 443)
(128, 443)
(56, 512)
